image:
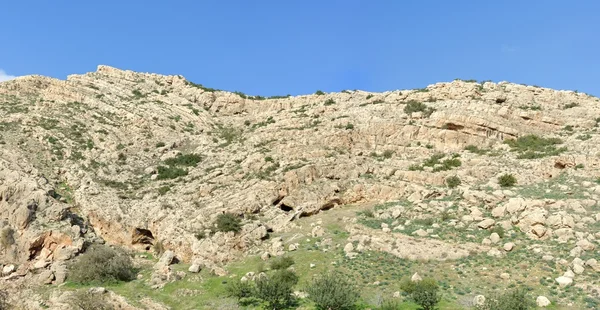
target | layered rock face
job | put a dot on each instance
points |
(95, 158)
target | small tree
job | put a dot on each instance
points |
(277, 290)
(507, 180)
(101, 264)
(228, 222)
(424, 292)
(453, 181)
(332, 292)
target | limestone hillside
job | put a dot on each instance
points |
(138, 159)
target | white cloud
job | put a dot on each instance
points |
(5, 77)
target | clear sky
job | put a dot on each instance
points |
(278, 47)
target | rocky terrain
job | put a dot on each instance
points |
(482, 185)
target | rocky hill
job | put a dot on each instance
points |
(451, 174)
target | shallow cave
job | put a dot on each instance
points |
(285, 207)
(452, 126)
(142, 236)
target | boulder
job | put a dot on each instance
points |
(194, 268)
(509, 246)
(564, 281)
(416, 277)
(348, 248)
(542, 301)
(495, 238)
(46, 277)
(586, 245)
(479, 300)
(485, 224)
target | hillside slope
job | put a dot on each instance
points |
(137, 159)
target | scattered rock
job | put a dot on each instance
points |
(485, 224)
(542, 301)
(194, 268)
(509, 246)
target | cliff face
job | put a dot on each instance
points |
(111, 155)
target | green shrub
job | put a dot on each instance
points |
(227, 222)
(499, 230)
(532, 146)
(515, 299)
(165, 173)
(329, 101)
(332, 291)
(102, 264)
(390, 304)
(187, 160)
(387, 154)
(240, 289)
(475, 149)
(160, 144)
(282, 262)
(424, 292)
(85, 300)
(319, 93)
(453, 181)
(276, 290)
(415, 106)
(369, 96)
(507, 180)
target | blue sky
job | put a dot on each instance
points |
(294, 47)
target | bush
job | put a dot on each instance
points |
(332, 292)
(102, 264)
(227, 222)
(415, 106)
(329, 101)
(390, 304)
(165, 173)
(453, 181)
(277, 290)
(507, 180)
(532, 146)
(188, 160)
(240, 289)
(516, 299)
(282, 262)
(424, 292)
(84, 300)
(319, 93)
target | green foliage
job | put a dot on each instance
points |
(387, 154)
(164, 189)
(319, 93)
(507, 180)
(227, 222)
(160, 144)
(102, 264)
(415, 106)
(424, 292)
(276, 290)
(332, 291)
(282, 262)
(515, 299)
(240, 289)
(369, 96)
(85, 300)
(453, 181)
(532, 146)
(475, 149)
(499, 230)
(166, 173)
(329, 101)
(187, 160)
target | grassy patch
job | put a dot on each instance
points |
(532, 146)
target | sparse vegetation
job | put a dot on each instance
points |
(415, 106)
(329, 102)
(86, 300)
(282, 262)
(515, 299)
(227, 222)
(532, 146)
(453, 181)
(319, 93)
(507, 180)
